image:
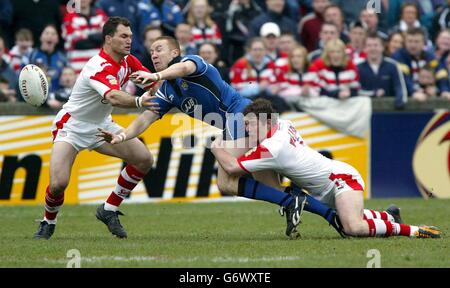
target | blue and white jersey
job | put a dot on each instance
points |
(200, 93)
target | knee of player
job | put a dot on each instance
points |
(353, 229)
(145, 161)
(58, 186)
(225, 186)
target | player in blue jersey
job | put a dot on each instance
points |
(197, 89)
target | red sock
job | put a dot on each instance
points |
(372, 214)
(385, 228)
(128, 179)
(52, 204)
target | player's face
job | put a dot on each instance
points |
(162, 54)
(257, 128)
(121, 41)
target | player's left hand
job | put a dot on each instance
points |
(108, 136)
(142, 77)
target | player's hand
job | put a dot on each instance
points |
(142, 77)
(218, 143)
(148, 103)
(108, 136)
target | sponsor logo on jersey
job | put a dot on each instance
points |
(188, 105)
(111, 79)
(431, 160)
(184, 85)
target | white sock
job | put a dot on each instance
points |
(50, 221)
(110, 207)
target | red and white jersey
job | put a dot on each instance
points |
(243, 73)
(285, 152)
(323, 76)
(357, 56)
(100, 75)
(206, 35)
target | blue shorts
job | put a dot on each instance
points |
(234, 122)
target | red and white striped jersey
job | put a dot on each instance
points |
(323, 76)
(17, 60)
(206, 35)
(100, 75)
(243, 73)
(285, 152)
(77, 27)
(357, 56)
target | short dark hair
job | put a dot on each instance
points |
(173, 43)
(110, 27)
(374, 35)
(262, 106)
(415, 31)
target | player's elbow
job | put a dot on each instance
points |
(113, 97)
(233, 169)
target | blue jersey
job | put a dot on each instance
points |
(201, 93)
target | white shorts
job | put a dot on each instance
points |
(80, 134)
(344, 178)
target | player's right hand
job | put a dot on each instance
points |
(108, 136)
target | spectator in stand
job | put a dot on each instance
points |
(427, 11)
(355, 49)
(240, 14)
(82, 33)
(441, 20)
(394, 42)
(6, 71)
(270, 33)
(137, 12)
(204, 29)
(292, 80)
(329, 31)
(409, 18)
(273, 14)
(49, 57)
(413, 57)
(150, 35)
(67, 80)
(183, 34)
(211, 53)
(390, 12)
(35, 15)
(254, 75)
(310, 25)
(351, 9)
(334, 74)
(7, 94)
(287, 43)
(335, 15)
(19, 55)
(427, 84)
(169, 14)
(380, 76)
(442, 45)
(369, 19)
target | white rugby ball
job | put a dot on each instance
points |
(33, 85)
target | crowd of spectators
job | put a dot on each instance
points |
(276, 49)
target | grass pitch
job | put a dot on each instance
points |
(236, 234)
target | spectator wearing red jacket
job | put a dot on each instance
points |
(204, 29)
(82, 33)
(334, 74)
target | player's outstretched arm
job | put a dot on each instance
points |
(177, 70)
(122, 99)
(227, 161)
(136, 128)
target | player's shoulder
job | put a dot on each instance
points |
(98, 64)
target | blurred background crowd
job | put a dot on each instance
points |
(281, 50)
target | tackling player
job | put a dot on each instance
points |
(335, 183)
(197, 89)
(96, 91)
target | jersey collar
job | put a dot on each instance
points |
(107, 57)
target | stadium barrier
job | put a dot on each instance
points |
(406, 154)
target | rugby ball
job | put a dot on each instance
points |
(33, 85)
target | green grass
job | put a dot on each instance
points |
(241, 234)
